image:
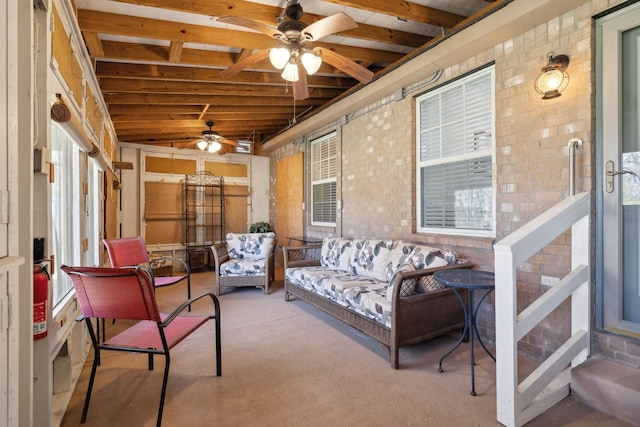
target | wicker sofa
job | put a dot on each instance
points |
(383, 288)
(244, 259)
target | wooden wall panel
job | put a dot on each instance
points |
(227, 169)
(68, 65)
(169, 165)
(93, 114)
(289, 197)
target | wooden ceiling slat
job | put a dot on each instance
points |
(406, 10)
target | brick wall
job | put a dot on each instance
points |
(377, 185)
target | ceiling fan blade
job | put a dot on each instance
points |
(240, 65)
(226, 149)
(228, 141)
(247, 23)
(346, 65)
(329, 25)
(300, 87)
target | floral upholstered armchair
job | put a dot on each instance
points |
(245, 259)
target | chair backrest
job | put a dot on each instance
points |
(114, 293)
(127, 251)
(250, 246)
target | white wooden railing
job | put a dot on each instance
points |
(518, 403)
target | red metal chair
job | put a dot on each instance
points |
(132, 251)
(128, 293)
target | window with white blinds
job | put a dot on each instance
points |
(323, 180)
(455, 157)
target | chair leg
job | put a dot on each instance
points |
(189, 289)
(151, 361)
(165, 379)
(216, 304)
(87, 398)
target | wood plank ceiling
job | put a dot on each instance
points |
(158, 62)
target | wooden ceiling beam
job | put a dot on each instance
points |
(267, 15)
(120, 118)
(94, 45)
(406, 10)
(175, 51)
(189, 110)
(133, 26)
(190, 134)
(117, 85)
(159, 99)
(193, 74)
(168, 126)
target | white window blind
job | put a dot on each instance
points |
(455, 157)
(323, 180)
(66, 208)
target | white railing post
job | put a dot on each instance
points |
(518, 403)
(506, 343)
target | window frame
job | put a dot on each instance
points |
(459, 156)
(330, 137)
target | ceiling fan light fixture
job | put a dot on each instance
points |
(279, 57)
(311, 62)
(290, 72)
(214, 146)
(202, 144)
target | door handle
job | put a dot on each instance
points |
(611, 173)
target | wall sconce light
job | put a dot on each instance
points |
(553, 78)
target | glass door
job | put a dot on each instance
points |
(619, 94)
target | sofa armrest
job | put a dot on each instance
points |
(417, 275)
(301, 256)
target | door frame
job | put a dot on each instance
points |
(608, 314)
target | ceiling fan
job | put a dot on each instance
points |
(295, 37)
(211, 141)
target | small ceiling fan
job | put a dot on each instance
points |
(211, 141)
(295, 37)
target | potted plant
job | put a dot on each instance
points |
(260, 227)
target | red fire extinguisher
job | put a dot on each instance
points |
(40, 297)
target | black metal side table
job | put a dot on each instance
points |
(471, 280)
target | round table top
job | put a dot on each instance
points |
(466, 278)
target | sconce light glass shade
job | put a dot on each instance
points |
(553, 78)
(279, 57)
(202, 144)
(214, 146)
(290, 72)
(311, 62)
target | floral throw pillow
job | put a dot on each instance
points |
(370, 258)
(336, 252)
(249, 246)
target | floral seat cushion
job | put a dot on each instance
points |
(243, 267)
(328, 282)
(371, 302)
